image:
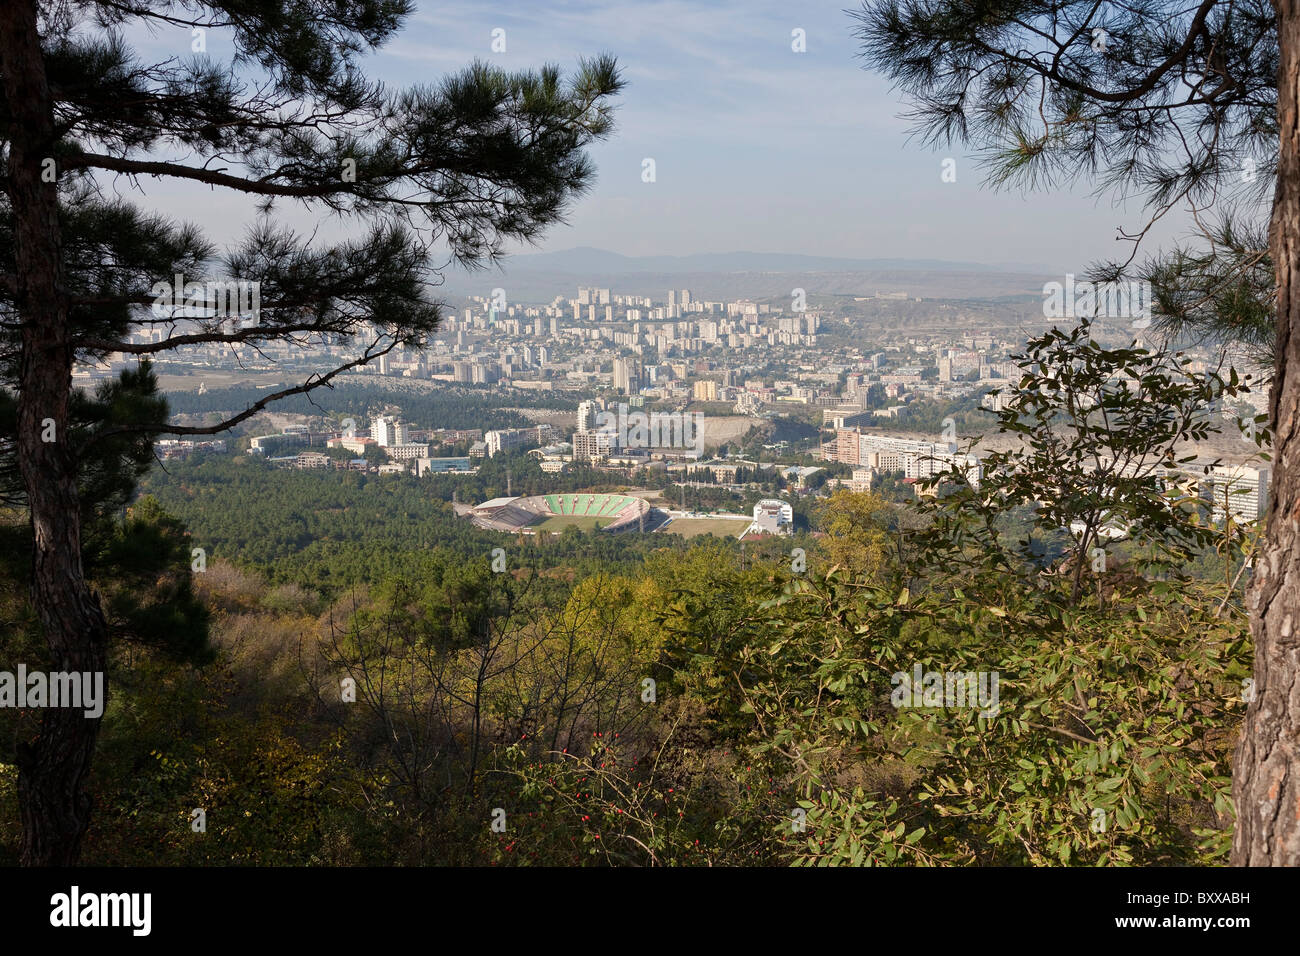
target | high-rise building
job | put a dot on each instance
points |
(586, 416)
(508, 438)
(592, 445)
(627, 376)
(407, 451)
(1239, 490)
(847, 444)
(382, 430)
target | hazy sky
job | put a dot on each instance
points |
(756, 147)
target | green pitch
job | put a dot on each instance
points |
(585, 522)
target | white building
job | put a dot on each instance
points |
(593, 445)
(927, 466)
(407, 451)
(507, 439)
(385, 431)
(1239, 490)
(356, 446)
(772, 516)
(861, 480)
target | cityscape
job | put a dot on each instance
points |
(675, 371)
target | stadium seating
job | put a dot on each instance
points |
(613, 512)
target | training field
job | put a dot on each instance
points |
(718, 527)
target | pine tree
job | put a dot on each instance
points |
(1192, 107)
(453, 171)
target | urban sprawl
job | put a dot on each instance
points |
(649, 376)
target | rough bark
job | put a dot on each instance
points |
(1266, 775)
(52, 769)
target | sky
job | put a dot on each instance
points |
(756, 147)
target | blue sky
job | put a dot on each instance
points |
(756, 147)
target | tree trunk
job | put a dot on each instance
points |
(1266, 772)
(52, 769)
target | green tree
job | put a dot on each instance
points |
(1098, 456)
(1053, 722)
(1188, 106)
(855, 525)
(474, 162)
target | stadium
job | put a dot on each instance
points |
(554, 513)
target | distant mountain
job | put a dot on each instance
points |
(540, 277)
(524, 285)
(589, 261)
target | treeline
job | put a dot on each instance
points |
(446, 406)
(704, 707)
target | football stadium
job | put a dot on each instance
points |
(554, 513)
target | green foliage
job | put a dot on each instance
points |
(145, 568)
(110, 432)
(1111, 737)
(932, 417)
(854, 524)
(1100, 432)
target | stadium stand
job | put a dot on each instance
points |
(521, 514)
